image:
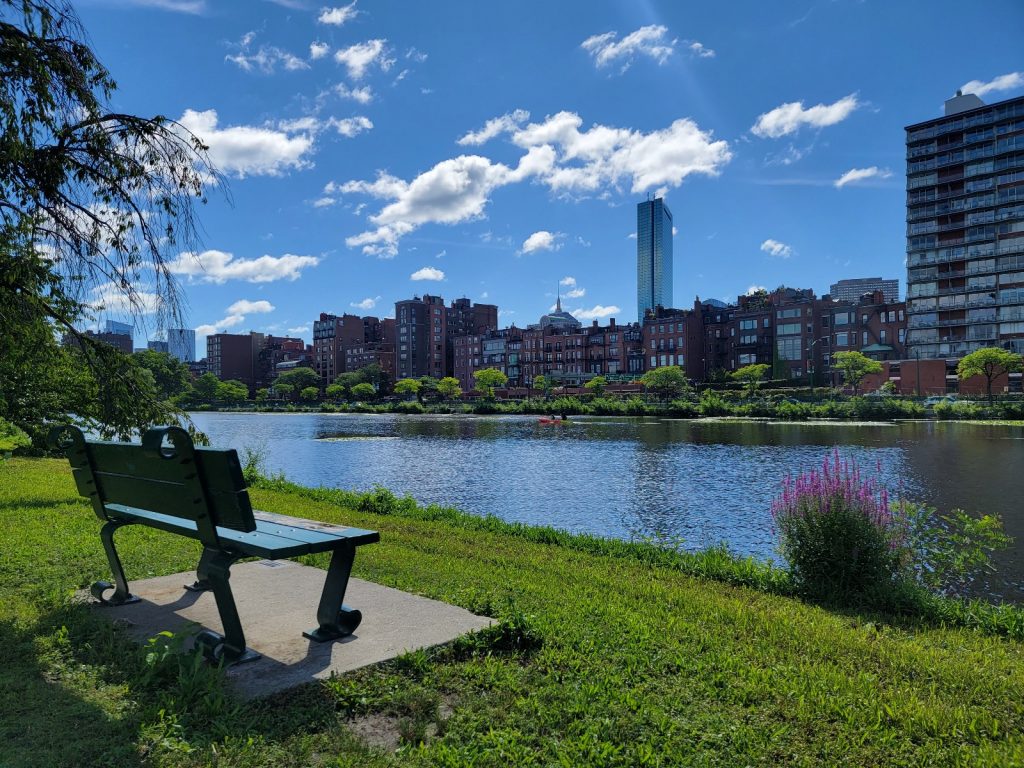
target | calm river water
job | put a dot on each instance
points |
(698, 482)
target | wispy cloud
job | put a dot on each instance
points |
(791, 117)
(367, 303)
(213, 266)
(336, 17)
(776, 249)
(597, 312)
(700, 50)
(650, 41)
(1005, 82)
(855, 175)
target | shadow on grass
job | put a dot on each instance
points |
(79, 691)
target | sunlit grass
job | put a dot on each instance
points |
(629, 658)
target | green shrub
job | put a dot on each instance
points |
(409, 407)
(713, 404)
(635, 406)
(838, 534)
(794, 411)
(682, 409)
(1011, 410)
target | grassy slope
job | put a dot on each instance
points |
(639, 665)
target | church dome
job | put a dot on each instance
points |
(558, 318)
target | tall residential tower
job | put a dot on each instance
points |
(653, 256)
(965, 229)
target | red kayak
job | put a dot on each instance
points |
(552, 421)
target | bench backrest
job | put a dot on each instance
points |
(179, 480)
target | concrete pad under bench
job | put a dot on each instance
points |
(277, 601)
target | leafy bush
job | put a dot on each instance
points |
(12, 437)
(1011, 410)
(607, 406)
(409, 407)
(945, 553)
(960, 410)
(793, 411)
(838, 533)
(844, 541)
(635, 406)
(683, 409)
(712, 404)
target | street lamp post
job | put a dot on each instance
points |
(810, 357)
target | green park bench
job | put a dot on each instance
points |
(169, 484)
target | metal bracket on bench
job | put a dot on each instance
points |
(214, 572)
(121, 594)
(336, 619)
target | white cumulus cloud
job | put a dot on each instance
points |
(367, 303)
(338, 16)
(542, 241)
(245, 150)
(427, 273)
(1005, 82)
(775, 248)
(213, 266)
(318, 50)
(359, 57)
(246, 307)
(558, 154)
(648, 41)
(855, 175)
(596, 312)
(791, 117)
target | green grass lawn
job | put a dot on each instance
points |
(603, 658)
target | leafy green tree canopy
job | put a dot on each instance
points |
(299, 378)
(855, 366)
(449, 388)
(170, 375)
(990, 362)
(408, 386)
(751, 376)
(597, 385)
(309, 394)
(364, 391)
(487, 379)
(667, 382)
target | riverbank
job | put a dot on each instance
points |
(610, 653)
(710, 404)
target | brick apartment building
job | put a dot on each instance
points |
(331, 335)
(425, 331)
(558, 347)
(252, 358)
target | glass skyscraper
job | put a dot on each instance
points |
(653, 256)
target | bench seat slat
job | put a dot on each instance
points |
(269, 540)
(313, 531)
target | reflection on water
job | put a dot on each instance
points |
(702, 482)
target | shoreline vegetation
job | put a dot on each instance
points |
(710, 405)
(607, 652)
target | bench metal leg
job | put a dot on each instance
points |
(121, 595)
(201, 584)
(214, 570)
(336, 619)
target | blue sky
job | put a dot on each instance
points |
(380, 150)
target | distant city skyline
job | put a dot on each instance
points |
(370, 157)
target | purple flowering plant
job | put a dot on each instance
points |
(839, 531)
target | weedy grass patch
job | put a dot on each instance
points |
(608, 653)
